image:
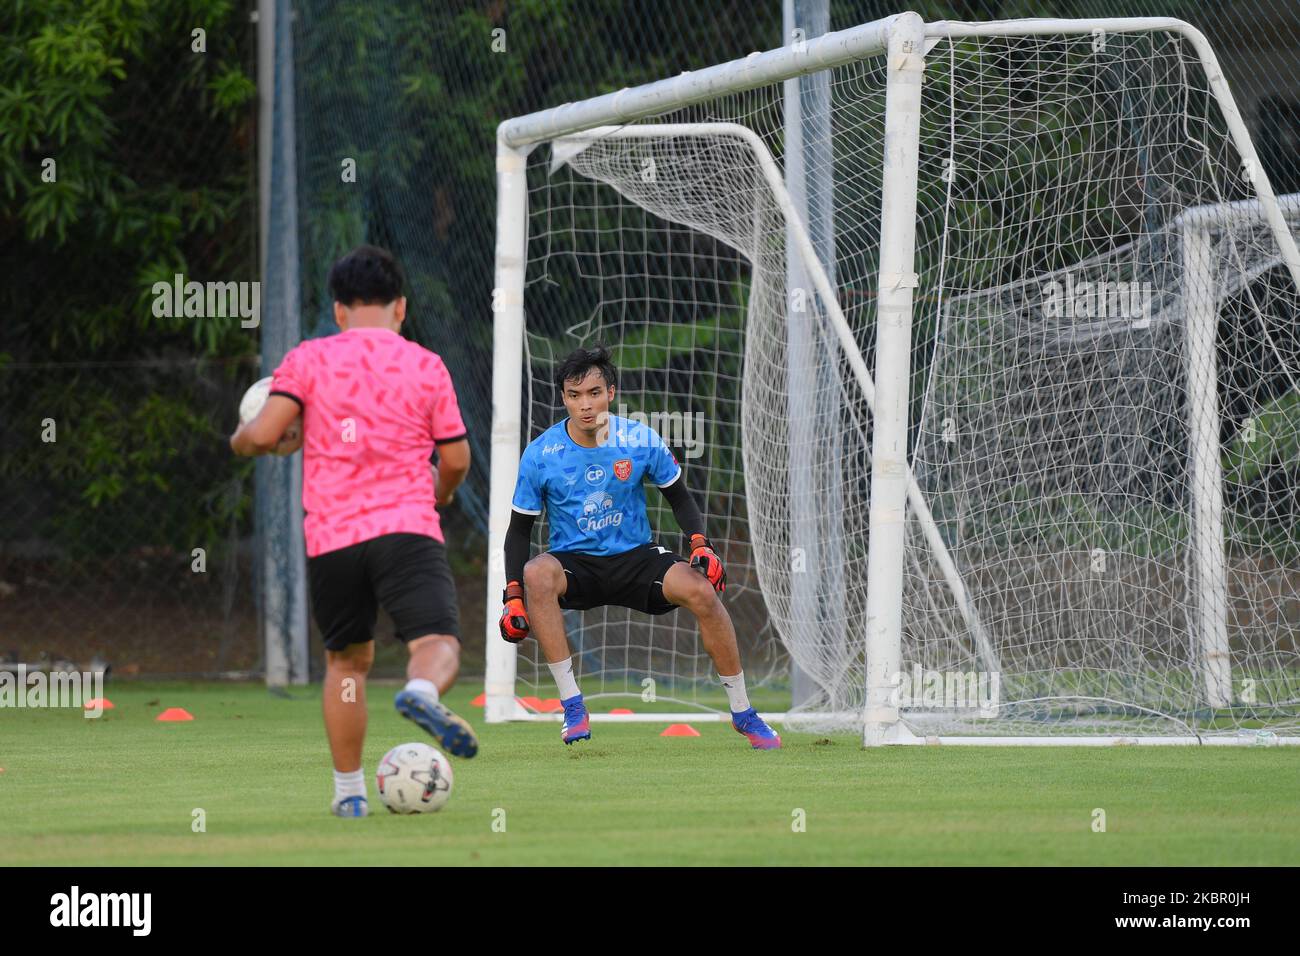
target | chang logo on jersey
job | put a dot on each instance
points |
(558, 446)
(595, 474)
(597, 513)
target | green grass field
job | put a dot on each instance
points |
(122, 790)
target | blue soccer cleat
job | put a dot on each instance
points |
(350, 807)
(577, 723)
(761, 736)
(453, 732)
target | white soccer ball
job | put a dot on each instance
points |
(254, 399)
(414, 778)
(252, 403)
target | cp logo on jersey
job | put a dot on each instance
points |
(623, 468)
(594, 474)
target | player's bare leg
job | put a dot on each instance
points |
(343, 700)
(430, 672)
(544, 584)
(435, 658)
(686, 587)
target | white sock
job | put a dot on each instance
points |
(736, 694)
(564, 679)
(424, 686)
(349, 785)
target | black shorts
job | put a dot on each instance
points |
(406, 574)
(632, 579)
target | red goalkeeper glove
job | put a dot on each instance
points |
(514, 616)
(705, 560)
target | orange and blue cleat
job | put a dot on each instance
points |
(761, 736)
(577, 723)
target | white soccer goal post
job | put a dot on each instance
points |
(1066, 505)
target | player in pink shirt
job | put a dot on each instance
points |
(374, 407)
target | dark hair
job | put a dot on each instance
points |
(367, 275)
(580, 361)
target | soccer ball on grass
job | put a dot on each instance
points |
(414, 778)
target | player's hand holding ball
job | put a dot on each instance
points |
(250, 406)
(291, 441)
(705, 560)
(514, 617)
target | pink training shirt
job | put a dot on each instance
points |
(373, 406)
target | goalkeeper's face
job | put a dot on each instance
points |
(587, 402)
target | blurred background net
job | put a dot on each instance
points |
(158, 175)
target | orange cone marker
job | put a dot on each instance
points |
(621, 710)
(175, 713)
(101, 703)
(680, 730)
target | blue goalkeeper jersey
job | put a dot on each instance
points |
(594, 497)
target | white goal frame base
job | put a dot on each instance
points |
(900, 736)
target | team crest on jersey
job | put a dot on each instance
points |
(623, 468)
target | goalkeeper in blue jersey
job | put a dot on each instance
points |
(587, 472)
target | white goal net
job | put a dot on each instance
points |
(1102, 518)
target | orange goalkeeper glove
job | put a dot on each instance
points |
(514, 616)
(705, 560)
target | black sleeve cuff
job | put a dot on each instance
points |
(289, 395)
(447, 441)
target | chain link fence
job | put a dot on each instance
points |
(126, 524)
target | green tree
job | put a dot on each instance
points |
(125, 158)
